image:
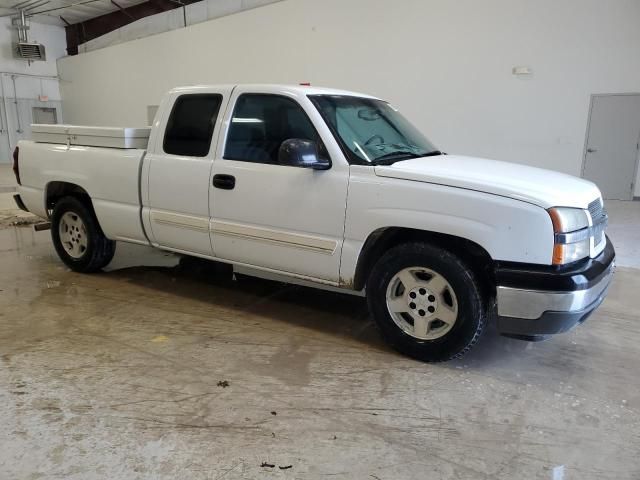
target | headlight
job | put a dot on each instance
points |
(572, 234)
(567, 220)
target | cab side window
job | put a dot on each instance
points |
(260, 124)
(191, 123)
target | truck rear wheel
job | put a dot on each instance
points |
(78, 238)
(426, 302)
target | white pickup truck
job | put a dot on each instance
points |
(335, 190)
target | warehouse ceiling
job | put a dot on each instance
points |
(64, 12)
(85, 20)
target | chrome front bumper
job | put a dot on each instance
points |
(532, 304)
(534, 301)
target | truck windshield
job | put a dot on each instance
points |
(371, 131)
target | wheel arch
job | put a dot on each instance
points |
(56, 190)
(383, 239)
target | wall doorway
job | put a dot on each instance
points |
(613, 144)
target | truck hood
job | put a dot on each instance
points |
(544, 188)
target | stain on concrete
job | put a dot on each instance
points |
(101, 400)
(15, 219)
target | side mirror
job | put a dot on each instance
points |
(297, 152)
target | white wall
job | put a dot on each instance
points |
(31, 81)
(446, 64)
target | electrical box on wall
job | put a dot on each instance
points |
(521, 70)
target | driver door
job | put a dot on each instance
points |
(276, 217)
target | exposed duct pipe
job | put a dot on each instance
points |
(22, 27)
(15, 101)
(3, 118)
(30, 75)
(6, 111)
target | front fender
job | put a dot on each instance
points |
(508, 229)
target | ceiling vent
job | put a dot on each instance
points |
(30, 51)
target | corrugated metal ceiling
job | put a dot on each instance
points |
(72, 11)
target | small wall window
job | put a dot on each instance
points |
(261, 123)
(191, 123)
(44, 115)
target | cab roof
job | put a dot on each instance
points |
(272, 88)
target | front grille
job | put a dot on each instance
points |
(598, 221)
(596, 210)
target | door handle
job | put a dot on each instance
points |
(592, 150)
(224, 182)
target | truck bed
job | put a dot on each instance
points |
(110, 176)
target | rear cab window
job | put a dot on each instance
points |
(191, 123)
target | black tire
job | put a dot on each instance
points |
(99, 249)
(471, 310)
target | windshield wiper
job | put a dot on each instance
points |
(391, 158)
(435, 153)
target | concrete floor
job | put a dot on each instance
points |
(10, 214)
(7, 180)
(624, 229)
(117, 375)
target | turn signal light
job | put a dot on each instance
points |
(558, 254)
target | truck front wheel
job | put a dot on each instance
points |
(78, 238)
(426, 301)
